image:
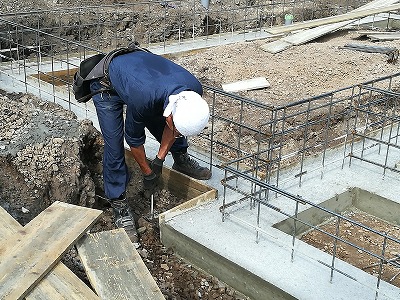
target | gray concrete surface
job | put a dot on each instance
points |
(304, 277)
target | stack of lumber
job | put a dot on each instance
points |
(311, 30)
(30, 257)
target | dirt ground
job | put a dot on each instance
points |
(48, 155)
(297, 73)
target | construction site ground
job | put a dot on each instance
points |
(47, 155)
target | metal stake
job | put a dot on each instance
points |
(152, 206)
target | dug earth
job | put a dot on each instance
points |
(47, 155)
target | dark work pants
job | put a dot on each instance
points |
(109, 108)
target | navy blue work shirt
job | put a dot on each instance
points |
(144, 81)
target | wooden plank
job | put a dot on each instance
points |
(114, 267)
(60, 283)
(27, 256)
(181, 185)
(276, 46)
(313, 33)
(384, 37)
(329, 20)
(246, 85)
(8, 225)
(188, 205)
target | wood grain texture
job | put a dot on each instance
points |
(329, 20)
(305, 36)
(30, 252)
(114, 267)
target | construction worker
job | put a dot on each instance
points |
(161, 96)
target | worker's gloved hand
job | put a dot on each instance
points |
(157, 165)
(150, 184)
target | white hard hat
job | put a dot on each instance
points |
(190, 112)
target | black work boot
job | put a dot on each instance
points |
(123, 217)
(186, 165)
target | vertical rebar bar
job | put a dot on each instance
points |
(381, 264)
(305, 136)
(224, 196)
(327, 127)
(284, 114)
(335, 247)
(212, 129)
(294, 229)
(351, 111)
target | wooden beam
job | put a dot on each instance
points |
(389, 36)
(60, 283)
(329, 20)
(182, 186)
(246, 85)
(115, 268)
(27, 256)
(276, 46)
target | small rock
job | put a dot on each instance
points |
(58, 140)
(141, 230)
(143, 253)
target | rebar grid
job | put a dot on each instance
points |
(159, 23)
(357, 121)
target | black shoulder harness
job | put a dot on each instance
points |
(96, 67)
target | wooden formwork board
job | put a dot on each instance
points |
(178, 184)
(183, 186)
(27, 254)
(115, 268)
(335, 19)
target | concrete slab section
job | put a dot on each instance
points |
(279, 267)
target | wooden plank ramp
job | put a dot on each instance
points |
(29, 254)
(115, 268)
(313, 33)
(329, 20)
(60, 284)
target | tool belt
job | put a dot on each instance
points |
(96, 67)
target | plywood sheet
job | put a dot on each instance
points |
(32, 251)
(114, 267)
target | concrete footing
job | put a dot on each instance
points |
(263, 262)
